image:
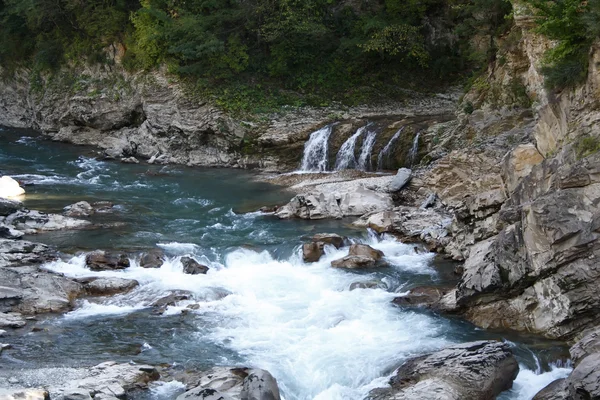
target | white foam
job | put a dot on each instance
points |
(166, 390)
(529, 382)
(297, 320)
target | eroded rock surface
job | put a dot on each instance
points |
(475, 370)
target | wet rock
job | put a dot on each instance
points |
(368, 285)
(34, 221)
(587, 345)
(111, 379)
(12, 320)
(355, 262)
(171, 300)
(233, 384)
(8, 232)
(14, 253)
(79, 209)
(45, 292)
(9, 297)
(9, 206)
(109, 286)
(192, 267)
(554, 391)
(102, 261)
(152, 259)
(10, 188)
(24, 394)
(427, 296)
(365, 251)
(476, 371)
(130, 160)
(77, 394)
(400, 180)
(329, 238)
(312, 252)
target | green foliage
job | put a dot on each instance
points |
(575, 24)
(262, 54)
(586, 146)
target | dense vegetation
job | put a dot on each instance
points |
(575, 25)
(269, 52)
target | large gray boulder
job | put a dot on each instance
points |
(14, 253)
(366, 251)
(109, 286)
(152, 259)
(329, 238)
(475, 371)
(35, 221)
(400, 180)
(234, 384)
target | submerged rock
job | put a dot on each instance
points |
(102, 260)
(192, 267)
(233, 384)
(475, 371)
(427, 296)
(312, 252)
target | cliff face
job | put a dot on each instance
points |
(124, 115)
(526, 196)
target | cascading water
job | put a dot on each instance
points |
(412, 154)
(364, 160)
(345, 158)
(384, 154)
(316, 150)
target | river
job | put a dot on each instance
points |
(259, 305)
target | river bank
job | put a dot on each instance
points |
(263, 288)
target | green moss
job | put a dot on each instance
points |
(586, 146)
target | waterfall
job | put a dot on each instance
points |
(364, 161)
(315, 150)
(345, 158)
(384, 154)
(412, 154)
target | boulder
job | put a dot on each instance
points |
(35, 221)
(77, 394)
(335, 204)
(10, 188)
(355, 262)
(46, 292)
(475, 371)
(365, 251)
(79, 209)
(109, 286)
(312, 252)
(426, 296)
(400, 180)
(12, 320)
(7, 232)
(329, 238)
(192, 267)
(9, 206)
(553, 391)
(130, 160)
(110, 379)
(9, 298)
(152, 259)
(368, 285)
(233, 384)
(171, 300)
(102, 261)
(14, 253)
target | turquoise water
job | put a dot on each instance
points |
(259, 305)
